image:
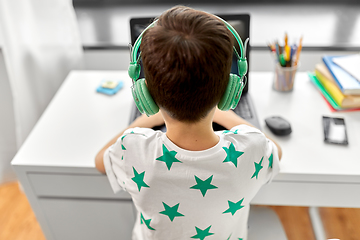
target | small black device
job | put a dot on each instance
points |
(335, 130)
(278, 125)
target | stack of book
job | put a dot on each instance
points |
(338, 79)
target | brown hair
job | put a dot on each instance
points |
(187, 59)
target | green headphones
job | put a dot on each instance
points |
(147, 105)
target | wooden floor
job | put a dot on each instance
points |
(18, 222)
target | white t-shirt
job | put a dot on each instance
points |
(181, 194)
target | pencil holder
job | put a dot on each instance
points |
(284, 77)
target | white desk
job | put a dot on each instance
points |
(72, 200)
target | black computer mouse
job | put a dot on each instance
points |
(278, 125)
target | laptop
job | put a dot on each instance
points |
(241, 23)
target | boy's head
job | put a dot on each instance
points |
(187, 59)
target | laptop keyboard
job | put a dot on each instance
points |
(243, 109)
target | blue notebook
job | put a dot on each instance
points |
(347, 83)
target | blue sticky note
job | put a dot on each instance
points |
(110, 91)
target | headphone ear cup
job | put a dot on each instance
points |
(134, 70)
(231, 97)
(143, 100)
(242, 66)
(239, 86)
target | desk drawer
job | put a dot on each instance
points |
(73, 186)
(77, 219)
(322, 194)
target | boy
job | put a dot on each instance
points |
(190, 182)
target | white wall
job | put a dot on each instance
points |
(102, 59)
(7, 126)
(260, 60)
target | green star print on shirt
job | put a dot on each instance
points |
(171, 212)
(258, 167)
(146, 221)
(230, 237)
(271, 160)
(201, 234)
(234, 207)
(203, 186)
(168, 157)
(228, 131)
(139, 179)
(122, 146)
(231, 154)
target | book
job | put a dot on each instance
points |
(327, 80)
(324, 93)
(329, 100)
(350, 63)
(347, 83)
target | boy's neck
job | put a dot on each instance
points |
(195, 136)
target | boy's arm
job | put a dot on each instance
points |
(229, 119)
(142, 121)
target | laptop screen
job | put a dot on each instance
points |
(241, 23)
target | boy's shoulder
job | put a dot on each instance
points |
(137, 135)
(242, 129)
(246, 136)
(138, 131)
